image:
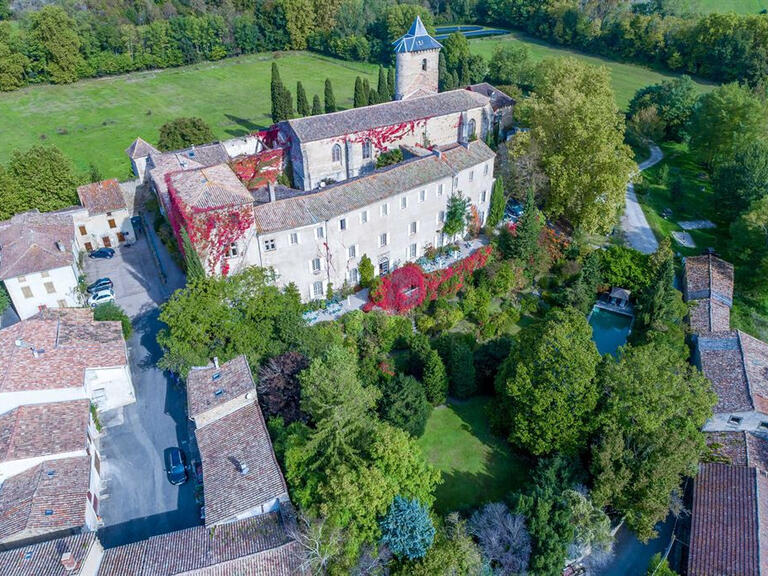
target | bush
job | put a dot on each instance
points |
(111, 311)
(389, 157)
(184, 132)
(425, 364)
(456, 352)
(407, 529)
(404, 404)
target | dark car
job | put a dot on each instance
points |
(100, 285)
(175, 466)
(102, 253)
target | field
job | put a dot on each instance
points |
(750, 310)
(721, 6)
(626, 78)
(94, 121)
(477, 466)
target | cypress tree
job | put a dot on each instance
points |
(443, 78)
(330, 99)
(317, 107)
(302, 105)
(498, 201)
(382, 88)
(455, 82)
(373, 97)
(192, 261)
(276, 94)
(366, 86)
(287, 99)
(361, 98)
(391, 82)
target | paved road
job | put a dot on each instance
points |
(636, 229)
(138, 501)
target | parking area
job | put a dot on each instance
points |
(137, 499)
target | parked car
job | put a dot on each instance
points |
(175, 466)
(102, 253)
(99, 286)
(101, 297)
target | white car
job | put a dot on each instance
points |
(101, 297)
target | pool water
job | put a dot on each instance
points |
(609, 330)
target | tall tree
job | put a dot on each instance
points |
(330, 99)
(13, 63)
(749, 242)
(649, 439)
(579, 133)
(317, 107)
(391, 82)
(498, 203)
(547, 384)
(361, 97)
(194, 267)
(54, 45)
(382, 88)
(184, 132)
(741, 180)
(275, 90)
(526, 245)
(302, 105)
(673, 100)
(455, 215)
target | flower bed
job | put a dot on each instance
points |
(407, 287)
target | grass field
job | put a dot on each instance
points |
(626, 78)
(722, 6)
(477, 466)
(94, 121)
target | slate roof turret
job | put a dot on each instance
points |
(416, 39)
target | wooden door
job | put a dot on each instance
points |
(107, 241)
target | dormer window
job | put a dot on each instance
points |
(424, 64)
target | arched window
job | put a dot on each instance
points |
(367, 149)
(472, 128)
(424, 64)
(336, 152)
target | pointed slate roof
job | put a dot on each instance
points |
(416, 39)
(140, 148)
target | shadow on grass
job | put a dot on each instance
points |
(244, 126)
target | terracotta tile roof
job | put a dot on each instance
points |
(498, 98)
(208, 386)
(29, 243)
(140, 148)
(50, 497)
(44, 559)
(261, 194)
(227, 445)
(210, 187)
(254, 546)
(101, 197)
(365, 190)
(709, 315)
(757, 452)
(708, 276)
(43, 429)
(737, 365)
(348, 122)
(163, 164)
(68, 342)
(728, 447)
(726, 519)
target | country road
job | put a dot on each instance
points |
(633, 222)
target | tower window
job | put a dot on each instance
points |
(367, 149)
(472, 128)
(424, 64)
(336, 153)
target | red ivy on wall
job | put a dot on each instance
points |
(259, 169)
(407, 287)
(383, 136)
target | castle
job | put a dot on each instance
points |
(226, 197)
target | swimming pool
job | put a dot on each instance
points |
(609, 329)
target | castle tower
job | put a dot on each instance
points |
(417, 55)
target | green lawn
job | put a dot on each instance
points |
(626, 78)
(750, 310)
(477, 466)
(722, 6)
(94, 121)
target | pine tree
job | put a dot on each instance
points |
(443, 77)
(302, 105)
(192, 262)
(526, 244)
(382, 88)
(391, 82)
(361, 97)
(498, 201)
(330, 99)
(367, 88)
(373, 97)
(276, 94)
(287, 104)
(317, 107)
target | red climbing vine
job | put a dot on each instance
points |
(259, 169)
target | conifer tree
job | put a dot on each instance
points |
(317, 107)
(192, 261)
(361, 97)
(526, 243)
(382, 88)
(373, 97)
(302, 105)
(443, 77)
(287, 104)
(496, 210)
(276, 94)
(330, 99)
(391, 82)
(366, 87)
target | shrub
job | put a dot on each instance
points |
(407, 529)
(404, 404)
(456, 352)
(111, 311)
(389, 157)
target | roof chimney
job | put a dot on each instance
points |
(216, 362)
(60, 246)
(68, 561)
(241, 467)
(271, 188)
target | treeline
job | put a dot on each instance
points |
(720, 47)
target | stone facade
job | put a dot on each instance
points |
(416, 73)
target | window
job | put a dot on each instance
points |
(486, 168)
(352, 251)
(364, 216)
(384, 266)
(424, 64)
(232, 252)
(294, 238)
(439, 189)
(49, 288)
(383, 239)
(483, 196)
(45, 274)
(315, 265)
(472, 128)
(27, 291)
(404, 202)
(317, 289)
(319, 232)
(61, 303)
(471, 175)
(269, 245)
(343, 224)
(413, 228)
(441, 217)
(336, 153)
(735, 420)
(422, 195)
(412, 251)
(482, 216)
(456, 182)
(367, 149)
(83, 231)
(354, 276)
(112, 223)
(385, 209)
